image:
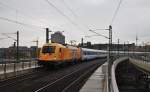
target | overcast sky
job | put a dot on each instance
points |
(132, 18)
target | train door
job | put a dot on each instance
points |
(74, 52)
(61, 53)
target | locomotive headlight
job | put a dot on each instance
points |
(55, 58)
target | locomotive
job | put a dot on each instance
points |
(55, 54)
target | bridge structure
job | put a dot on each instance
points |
(128, 71)
(130, 74)
(121, 67)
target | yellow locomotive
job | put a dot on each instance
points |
(55, 53)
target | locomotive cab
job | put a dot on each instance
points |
(50, 53)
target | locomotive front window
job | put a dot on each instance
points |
(48, 49)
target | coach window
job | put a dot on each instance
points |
(85, 53)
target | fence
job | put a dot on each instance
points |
(11, 63)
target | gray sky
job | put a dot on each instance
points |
(132, 18)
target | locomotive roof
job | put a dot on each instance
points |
(53, 44)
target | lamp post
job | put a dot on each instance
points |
(109, 54)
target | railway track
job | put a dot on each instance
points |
(17, 79)
(132, 79)
(60, 80)
(69, 80)
(81, 79)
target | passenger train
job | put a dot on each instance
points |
(55, 54)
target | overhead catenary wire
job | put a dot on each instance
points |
(19, 11)
(113, 18)
(66, 5)
(26, 15)
(116, 12)
(14, 21)
(60, 11)
(64, 15)
(9, 33)
(91, 35)
(9, 36)
(31, 17)
(99, 34)
(21, 23)
(3, 38)
(74, 14)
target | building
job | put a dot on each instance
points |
(25, 53)
(58, 37)
(2, 52)
(115, 47)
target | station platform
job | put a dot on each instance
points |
(97, 82)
